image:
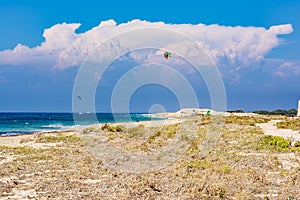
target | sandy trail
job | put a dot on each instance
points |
(270, 128)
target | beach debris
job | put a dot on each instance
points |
(167, 55)
(79, 97)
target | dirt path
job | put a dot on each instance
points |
(270, 128)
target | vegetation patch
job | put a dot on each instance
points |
(55, 139)
(205, 119)
(111, 128)
(89, 130)
(245, 120)
(136, 131)
(291, 112)
(163, 134)
(297, 144)
(274, 142)
(19, 150)
(293, 124)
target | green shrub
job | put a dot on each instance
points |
(275, 142)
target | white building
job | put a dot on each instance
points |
(298, 114)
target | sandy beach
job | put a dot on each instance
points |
(59, 164)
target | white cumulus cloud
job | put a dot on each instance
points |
(230, 47)
(287, 68)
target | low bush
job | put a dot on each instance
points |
(111, 128)
(275, 142)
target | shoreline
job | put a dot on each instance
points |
(17, 140)
(18, 131)
(156, 119)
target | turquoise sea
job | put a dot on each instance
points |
(28, 123)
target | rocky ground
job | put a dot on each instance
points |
(244, 163)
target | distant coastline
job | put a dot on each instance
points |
(14, 123)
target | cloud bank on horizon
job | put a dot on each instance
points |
(231, 48)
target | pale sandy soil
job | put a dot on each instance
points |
(28, 140)
(270, 128)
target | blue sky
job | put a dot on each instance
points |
(273, 82)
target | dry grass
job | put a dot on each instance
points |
(140, 138)
(244, 164)
(246, 120)
(293, 124)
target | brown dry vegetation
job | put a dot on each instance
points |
(244, 164)
(293, 124)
